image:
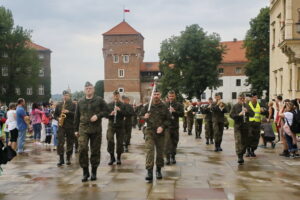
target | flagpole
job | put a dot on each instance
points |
(123, 13)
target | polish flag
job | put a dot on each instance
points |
(126, 10)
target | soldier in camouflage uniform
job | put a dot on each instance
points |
(88, 127)
(190, 117)
(135, 116)
(240, 113)
(157, 121)
(140, 118)
(209, 132)
(117, 113)
(172, 134)
(197, 111)
(127, 122)
(66, 131)
(218, 111)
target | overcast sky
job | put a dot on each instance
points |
(73, 29)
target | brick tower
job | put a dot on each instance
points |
(123, 52)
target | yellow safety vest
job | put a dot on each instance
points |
(256, 110)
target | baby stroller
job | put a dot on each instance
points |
(268, 133)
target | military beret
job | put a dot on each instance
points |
(66, 92)
(88, 84)
(241, 95)
(116, 92)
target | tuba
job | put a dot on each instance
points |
(62, 116)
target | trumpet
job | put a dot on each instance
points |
(62, 116)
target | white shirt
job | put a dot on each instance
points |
(289, 117)
(54, 122)
(11, 120)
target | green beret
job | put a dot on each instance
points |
(88, 84)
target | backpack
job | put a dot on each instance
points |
(295, 128)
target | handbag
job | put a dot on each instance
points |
(287, 128)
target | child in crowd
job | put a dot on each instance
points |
(268, 133)
(47, 123)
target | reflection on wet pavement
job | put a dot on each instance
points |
(200, 173)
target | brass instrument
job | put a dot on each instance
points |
(27, 120)
(62, 116)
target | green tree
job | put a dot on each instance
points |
(78, 95)
(20, 62)
(257, 52)
(189, 62)
(99, 88)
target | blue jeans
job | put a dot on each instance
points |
(54, 130)
(292, 147)
(37, 131)
(21, 140)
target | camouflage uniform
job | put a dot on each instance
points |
(209, 133)
(218, 123)
(89, 132)
(190, 120)
(128, 123)
(140, 119)
(172, 133)
(65, 132)
(241, 127)
(159, 117)
(116, 128)
(198, 122)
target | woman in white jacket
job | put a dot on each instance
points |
(11, 124)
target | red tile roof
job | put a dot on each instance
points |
(150, 67)
(234, 52)
(122, 29)
(37, 47)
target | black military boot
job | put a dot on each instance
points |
(86, 174)
(240, 159)
(68, 160)
(211, 141)
(173, 160)
(158, 173)
(216, 147)
(252, 154)
(189, 132)
(112, 159)
(168, 162)
(119, 159)
(207, 141)
(219, 146)
(149, 176)
(248, 152)
(126, 149)
(61, 160)
(184, 130)
(94, 174)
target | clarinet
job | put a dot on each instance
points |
(115, 115)
(244, 114)
(172, 117)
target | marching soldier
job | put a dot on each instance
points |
(117, 113)
(190, 117)
(172, 134)
(240, 113)
(88, 117)
(218, 111)
(254, 126)
(157, 120)
(184, 118)
(127, 122)
(209, 133)
(198, 112)
(64, 114)
(135, 116)
(140, 118)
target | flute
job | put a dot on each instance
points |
(115, 115)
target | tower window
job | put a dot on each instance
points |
(125, 58)
(115, 58)
(121, 73)
(121, 90)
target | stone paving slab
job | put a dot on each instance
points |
(200, 173)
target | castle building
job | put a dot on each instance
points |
(126, 71)
(284, 49)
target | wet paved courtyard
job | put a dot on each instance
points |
(200, 173)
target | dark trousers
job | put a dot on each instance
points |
(94, 139)
(198, 127)
(65, 135)
(111, 132)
